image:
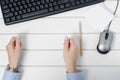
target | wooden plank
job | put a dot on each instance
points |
(56, 25)
(45, 25)
(50, 41)
(58, 73)
(110, 5)
(50, 58)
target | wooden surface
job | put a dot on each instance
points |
(43, 43)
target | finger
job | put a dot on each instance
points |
(72, 42)
(12, 42)
(18, 37)
(66, 44)
(73, 45)
(18, 44)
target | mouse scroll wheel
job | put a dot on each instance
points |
(106, 36)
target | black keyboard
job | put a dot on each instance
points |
(15, 11)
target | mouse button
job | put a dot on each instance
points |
(106, 36)
(110, 37)
(102, 36)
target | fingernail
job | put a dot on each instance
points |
(66, 38)
(17, 36)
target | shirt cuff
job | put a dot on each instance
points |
(9, 75)
(75, 76)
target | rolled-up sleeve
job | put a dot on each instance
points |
(8, 75)
(75, 76)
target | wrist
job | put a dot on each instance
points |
(13, 65)
(71, 69)
(12, 69)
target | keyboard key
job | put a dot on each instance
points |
(54, 3)
(41, 6)
(24, 11)
(18, 17)
(8, 15)
(6, 11)
(16, 8)
(15, 13)
(23, 2)
(77, 2)
(46, 5)
(51, 9)
(2, 2)
(47, 1)
(34, 13)
(62, 6)
(67, 5)
(20, 12)
(38, 2)
(56, 7)
(12, 9)
(28, 10)
(25, 6)
(32, 9)
(5, 7)
(10, 5)
(34, 4)
(18, 3)
(21, 7)
(42, 1)
(73, 3)
(12, 18)
(37, 7)
(7, 20)
(14, 4)
(11, 1)
(50, 4)
(29, 5)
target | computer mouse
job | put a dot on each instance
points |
(105, 41)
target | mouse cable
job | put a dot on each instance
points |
(109, 25)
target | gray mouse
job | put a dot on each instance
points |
(105, 42)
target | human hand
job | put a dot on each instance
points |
(14, 52)
(70, 55)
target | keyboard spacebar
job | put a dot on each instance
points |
(34, 13)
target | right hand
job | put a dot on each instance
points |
(70, 55)
(14, 52)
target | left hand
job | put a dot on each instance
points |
(14, 52)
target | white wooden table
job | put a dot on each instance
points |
(43, 43)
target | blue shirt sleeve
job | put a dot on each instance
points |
(8, 75)
(75, 76)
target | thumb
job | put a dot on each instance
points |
(12, 42)
(66, 44)
(18, 44)
(72, 42)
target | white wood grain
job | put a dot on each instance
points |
(110, 5)
(58, 73)
(56, 25)
(45, 61)
(55, 58)
(50, 41)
